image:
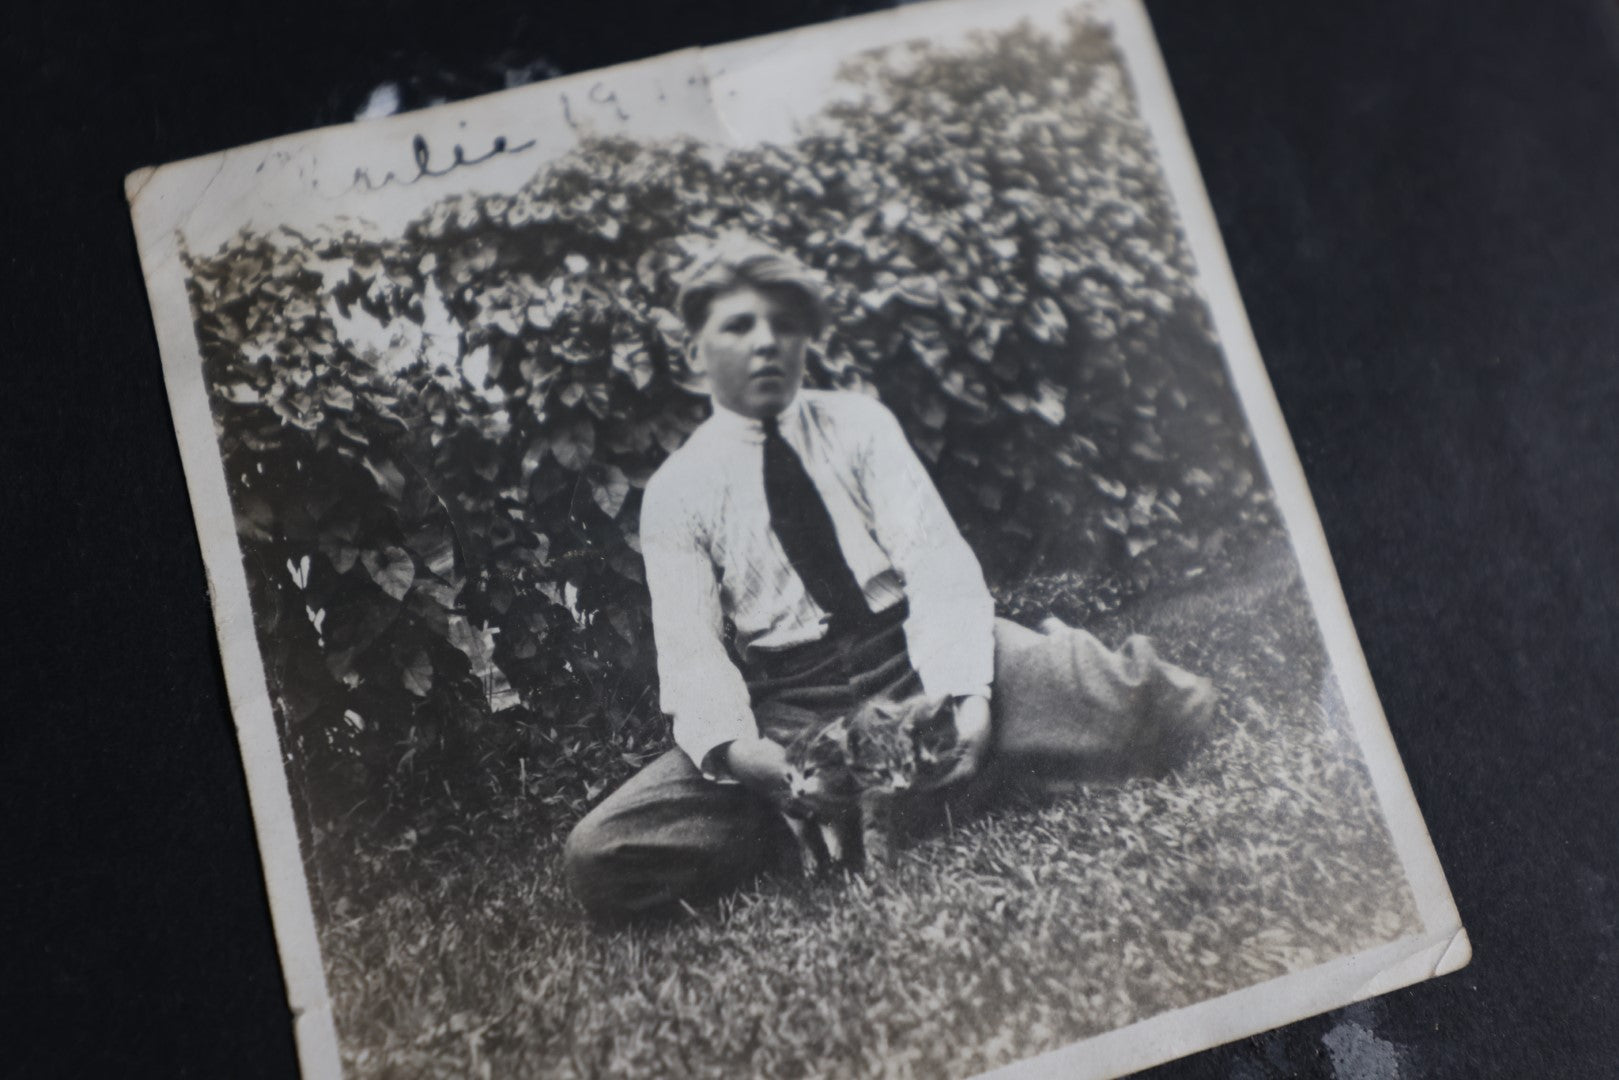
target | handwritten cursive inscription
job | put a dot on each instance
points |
(422, 155)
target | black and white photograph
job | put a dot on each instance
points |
(778, 559)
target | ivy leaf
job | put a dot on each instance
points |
(920, 291)
(534, 557)
(670, 432)
(609, 489)
(350, 432)
(430, 601)
(547, 483)
(627, 565)
(543, 314)
(876, 299)
(1045, 321)
(342, 556)
(1052, 270)
(255, 519)
(574, 445)
(417, 674)
(477, 646)
(532, 457)
(1111, 488)
(435, 547)
(669, 327)
(1048, 404)
(598, 398)
(392, 570)
(981, 345)
(632, 359)
(932, 412)
(387, 476)
(238, 393)
(526, 648)
(439, 595)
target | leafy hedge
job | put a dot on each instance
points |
(436, 443)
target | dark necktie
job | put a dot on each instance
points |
(804, 526)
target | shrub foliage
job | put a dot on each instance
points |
(436, 442)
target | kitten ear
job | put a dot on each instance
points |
(925, 712)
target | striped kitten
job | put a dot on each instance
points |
(848, 776)
(820, 791)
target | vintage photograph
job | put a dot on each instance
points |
(777, 560)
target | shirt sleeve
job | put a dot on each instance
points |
(950, 630)
(699, 686)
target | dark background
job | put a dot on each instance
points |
(1421, 203)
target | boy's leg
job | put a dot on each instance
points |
(1068, 709)
(666, 835)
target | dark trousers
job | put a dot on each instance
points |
(1065, 709)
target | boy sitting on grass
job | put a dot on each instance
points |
(805, 518)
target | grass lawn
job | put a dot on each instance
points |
(1019, 931)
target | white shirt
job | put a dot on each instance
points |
(710, 552)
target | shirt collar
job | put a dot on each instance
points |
(746, 427)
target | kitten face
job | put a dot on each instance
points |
(817, 771)
(880, 751)
(931, 724)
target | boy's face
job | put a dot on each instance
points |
(752, 348)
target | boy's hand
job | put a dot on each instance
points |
(758, 764)
(972, 736)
